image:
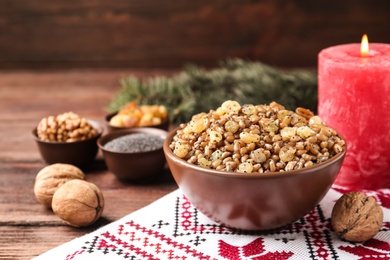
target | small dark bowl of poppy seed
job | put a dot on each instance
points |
(134, 153)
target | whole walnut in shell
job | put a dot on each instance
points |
(51, 177)
(356, 217)
(79, 203)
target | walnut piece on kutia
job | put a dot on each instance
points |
(356, 217)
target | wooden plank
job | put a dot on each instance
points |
(25, 242)
(150, 33)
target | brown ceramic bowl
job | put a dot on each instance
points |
(78, 153)
(253, 201)
(133, 166)
(164, 125)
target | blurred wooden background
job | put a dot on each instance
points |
(168, 33)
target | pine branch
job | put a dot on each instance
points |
(197, 90)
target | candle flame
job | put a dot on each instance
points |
(364, 48)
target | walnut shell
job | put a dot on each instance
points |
(356, 217)
(50, 178)
(79, 203)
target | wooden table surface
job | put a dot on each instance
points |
(27, 228)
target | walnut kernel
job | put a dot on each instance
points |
(79, 203)
(51, 177)
(66, 127)
(356, 217)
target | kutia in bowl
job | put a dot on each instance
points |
(254, 167)
(134, 154)
(67, 138)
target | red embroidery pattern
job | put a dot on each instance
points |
(372, 249)
(184, 233)
(384, 199)
(132, 241)
(254, 251)
(317, 235)
(188, 222)
(70, 257)
(378, 244)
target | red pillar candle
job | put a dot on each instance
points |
(354, 99)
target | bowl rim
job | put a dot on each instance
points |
(112, 135)
(307, 170)
(95, 124)
(110, 115)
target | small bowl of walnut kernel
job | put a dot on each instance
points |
(133, 115)
(254, 167)
(67, 138)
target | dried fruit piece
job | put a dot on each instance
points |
(181, 150)
(287, 153)
(305, 132)
(215, 136)
(269, 125)
(258, 156)
(245, 167)
(203, 162)
(231, 126)
(197, 124)
(216, 155)
(249, 109)
(51, 177)
(132, 115)
(79, 203)
(249, 138)
(288, 132)
(228, 106)
(356, 217)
